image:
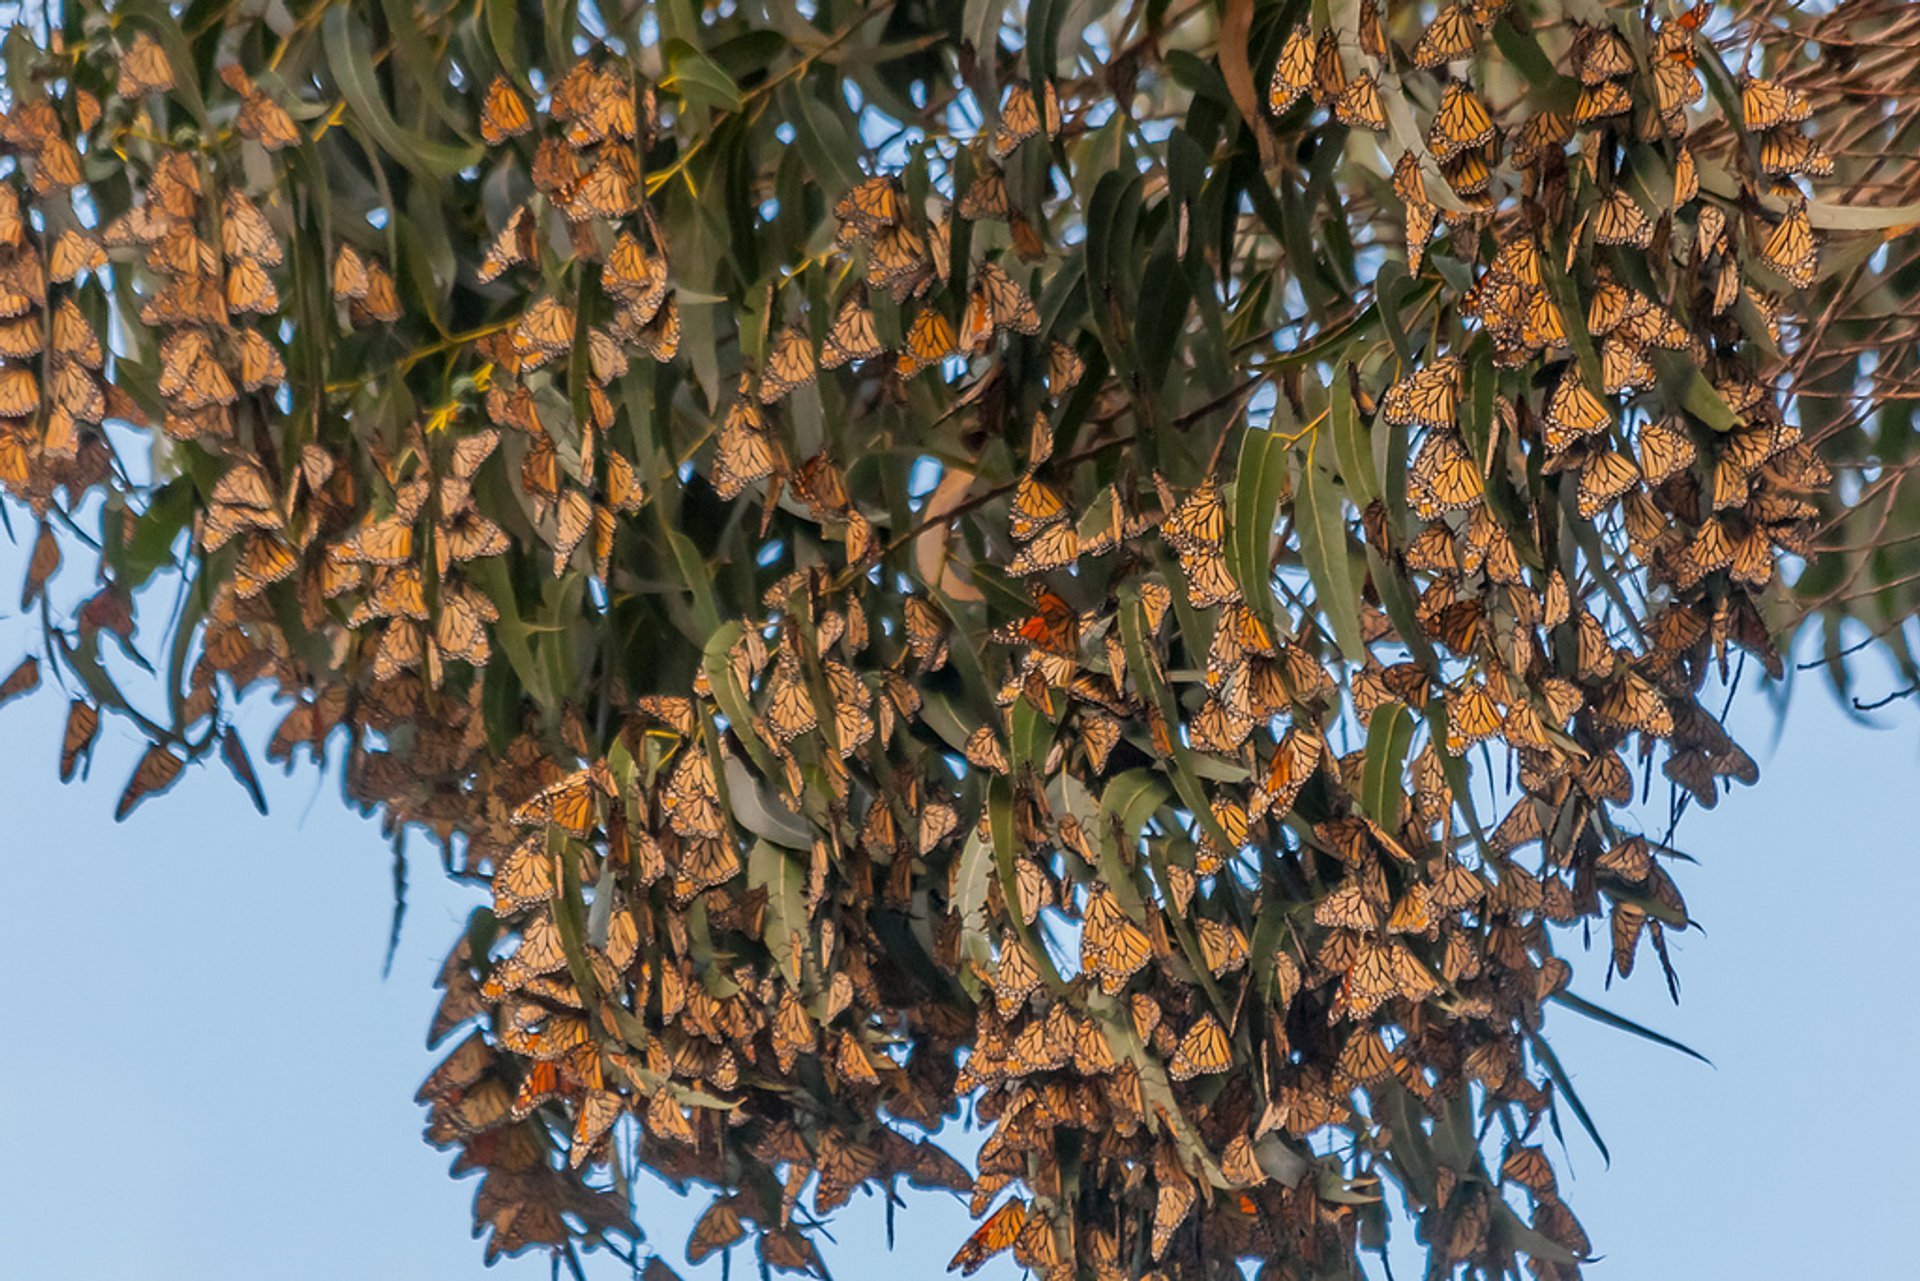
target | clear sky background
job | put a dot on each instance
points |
(204, 1076)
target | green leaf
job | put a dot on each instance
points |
(761, 811)
(1258, 486)
(785, 881)
(1600, 1014)
(1389, 736)
(1006, 852)
(698, 79)
(1351, 444)
(491, 577)
(1550, 1061)
(1032, 735)
(503, 32)
(733, 699)
(972, 882)
(1827, 216)
(351, 62)
(824, 140)
(1319, 517)
(1186, 778)
(1695, 393)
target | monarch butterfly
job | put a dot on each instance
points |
(568, 804)
(73, 337)
(380, 303)
(789, 365)
(157, 770)
(1329, 73)
(1348, 908)
(1652, 325)
(868, 209)
(1790, 248)
(1111, 946)
(1222, 946)
(1064, 369)
(1618, 221)
(1054, 629)
(250, 289)
(1208, 580)
(1360, 105)
(1599, 101)
(897, 261)
(144, 68)
(1010, 305)
(76, 739)
(1543, 325)
(743, 454)
(1013, 980)
(998, 1233)
(1623, 367)
(660, 336)
(606, 191)
(1425, 398)
(986, 196)
(22, 338)
(190, 373)
(1036, 506)
(1767, 105)
(246, 234)
(983, 751)
(1601, 55)
(349, 274)
(1752, 562)
(546, 327)
(525, 878)
(1785, 152)
(692, 797)
(1199, 523)
(1172, 1203)
(1635, 704)
(260, 117)
(1675, 83)
(1573, 412)
(1203, 1051)
(460, 630)
(1452, 35)
(717, 1228)
(1363, 1060)
(792, 1031)
(596, 102)
(976, 320)
(1021, 118)
(1443, 476)
(1460, 123)
(1293, 72)
(1686, 179)
(73, 253)
(503, 114)
(23, 679)
(632, 275)
(930, 341)
(1606, 476)
(575, 519)
(852, 337)
(598, 1110)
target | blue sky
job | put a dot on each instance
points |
(207, 1077)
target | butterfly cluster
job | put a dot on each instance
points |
(1023, 624)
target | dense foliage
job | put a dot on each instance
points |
(1139, 571)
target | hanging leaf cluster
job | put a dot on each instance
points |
(1136, 572)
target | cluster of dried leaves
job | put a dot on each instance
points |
(1009, 625)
